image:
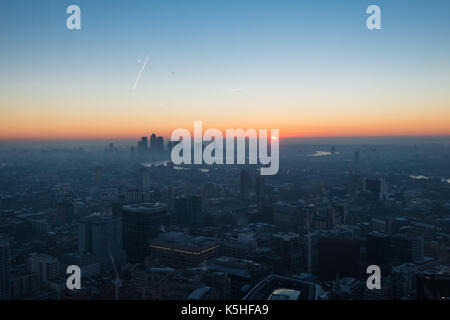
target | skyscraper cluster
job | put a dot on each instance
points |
(156, 144)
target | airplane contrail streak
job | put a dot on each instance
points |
(140, 72)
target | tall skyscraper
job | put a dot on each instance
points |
(141, 222)
(377, 186)
(5, 257)
(153, 141)
(188, 210)
(160, 144)
(96, 234)
(144, 144)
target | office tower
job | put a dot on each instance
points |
(378, 248)
(153, 141)
(378, 187)
(338, 256)
(288, 247)
(159, 144)
(144, 179)
(408, 247)
(310, 243)
(96, 234)
(5, 257)
(65, 212)
(45, 265)
(141, 222)
(144, 144)
(188, 210)
(245, 183)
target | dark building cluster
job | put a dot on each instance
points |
(140, 227)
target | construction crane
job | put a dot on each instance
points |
(117, 282)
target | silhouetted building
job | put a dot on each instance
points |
(141, 222)
(288, 246)
(159, 144)
(408, 247)
(188, 210)
(65, 212)
(378, 248)
(153, 141)
(144, 144)
(338, 256)
(97, 234)
(377, 187)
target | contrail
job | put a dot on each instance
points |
(140, 72)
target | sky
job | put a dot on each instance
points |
(309, 68)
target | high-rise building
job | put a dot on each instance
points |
(338, 256)
(65, 212)
(159, 144)
(378, 248)
(5, 257)
(188, 210)
(144, 144)
(96, 234)
(408, 247)
(288, 246)
(141, 222)
(153, 141)
(377, 186)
